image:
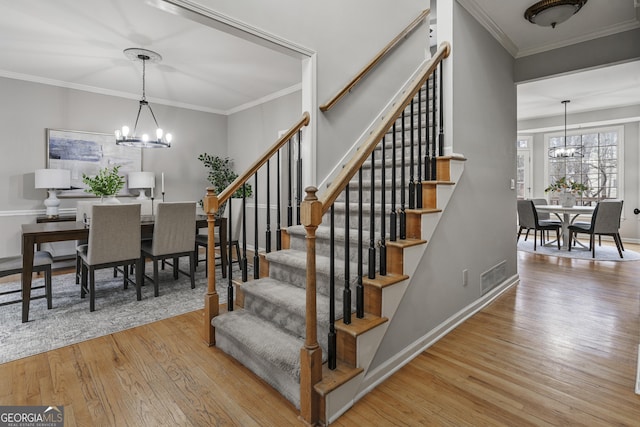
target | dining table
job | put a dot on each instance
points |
(47, 232)
(567, 215)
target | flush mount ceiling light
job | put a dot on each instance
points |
(564, 151)
(123, 137)
(549, 13)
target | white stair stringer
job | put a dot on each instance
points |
(343, 397)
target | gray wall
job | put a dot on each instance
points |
(629, 227)
(477, 230)
(27, 109)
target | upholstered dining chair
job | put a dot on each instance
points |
(543, 217)
(202, 240)
(605, 221)
(528, 220)
(174, 234)
(42, 261)
(114, 240)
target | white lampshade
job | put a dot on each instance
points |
(53, 178)
(142, 181)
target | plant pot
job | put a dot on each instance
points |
(109, 200)
(567, 200)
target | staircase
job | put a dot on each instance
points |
(266, 331)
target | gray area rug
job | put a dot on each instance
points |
(70, 321)
(603, 253)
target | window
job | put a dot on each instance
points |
(598, 167)
(523, 167)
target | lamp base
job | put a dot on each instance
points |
(52, 204)
(142, 195)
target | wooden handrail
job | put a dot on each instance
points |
(237, 183)
(333, 101)
(364, 151)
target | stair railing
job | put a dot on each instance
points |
(314, 208)
(213, 202)
(375, 61)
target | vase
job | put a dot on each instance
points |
(567, 200)
(109, 200)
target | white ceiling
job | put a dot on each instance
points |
(590, 90)
(79, 44)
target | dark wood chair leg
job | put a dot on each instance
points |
(47, 286)
(92, 289)
(192, 270)
(155, 278)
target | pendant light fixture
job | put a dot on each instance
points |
(565, 151)
(549, 13)
(123, 136)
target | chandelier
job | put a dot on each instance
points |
(565, 151)
(549, 13)
(123, 136)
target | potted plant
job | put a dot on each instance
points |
(107, 183)
(221, 174)
(567, 190)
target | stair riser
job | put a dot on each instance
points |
(298, 277)
(292, 322)
(323, 248)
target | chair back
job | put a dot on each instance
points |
(606, 217)
(541, 215)
(174, 230)
(526, 214)
(114, 233)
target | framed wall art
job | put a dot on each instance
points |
(87, 153)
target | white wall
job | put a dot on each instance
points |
(629, 118)
(27, 109)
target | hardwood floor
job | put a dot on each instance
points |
(558, 349)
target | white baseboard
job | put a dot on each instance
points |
(638, 373)
(391, 366)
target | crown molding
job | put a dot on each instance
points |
(631, 24)
(485, 20)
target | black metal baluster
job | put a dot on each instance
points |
(279, 205)
(229, 260)
(393, 217)
(441, 136)
(372, 219)
(427, 152)
(290, 186)
(267, 234)
(433, 128)
(346, 293)
(383, 211)
(256, 257)
(299, 179)
(403, 214)
(419, 180)
(360, 287)
(412, 184)
(243, 262)
(332, 304)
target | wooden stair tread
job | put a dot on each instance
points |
(332, 379)
(384, 281)
(423, 211)
(438, 183)
(405, 243)
(360, 326)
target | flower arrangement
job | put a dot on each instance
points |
(108, 182)
(567, 186)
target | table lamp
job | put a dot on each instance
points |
(53, 180)
(141, 181)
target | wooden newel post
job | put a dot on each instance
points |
(310, 354)
(211, 299)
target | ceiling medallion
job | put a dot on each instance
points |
(549, 13)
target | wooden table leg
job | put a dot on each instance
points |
(27, 271)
